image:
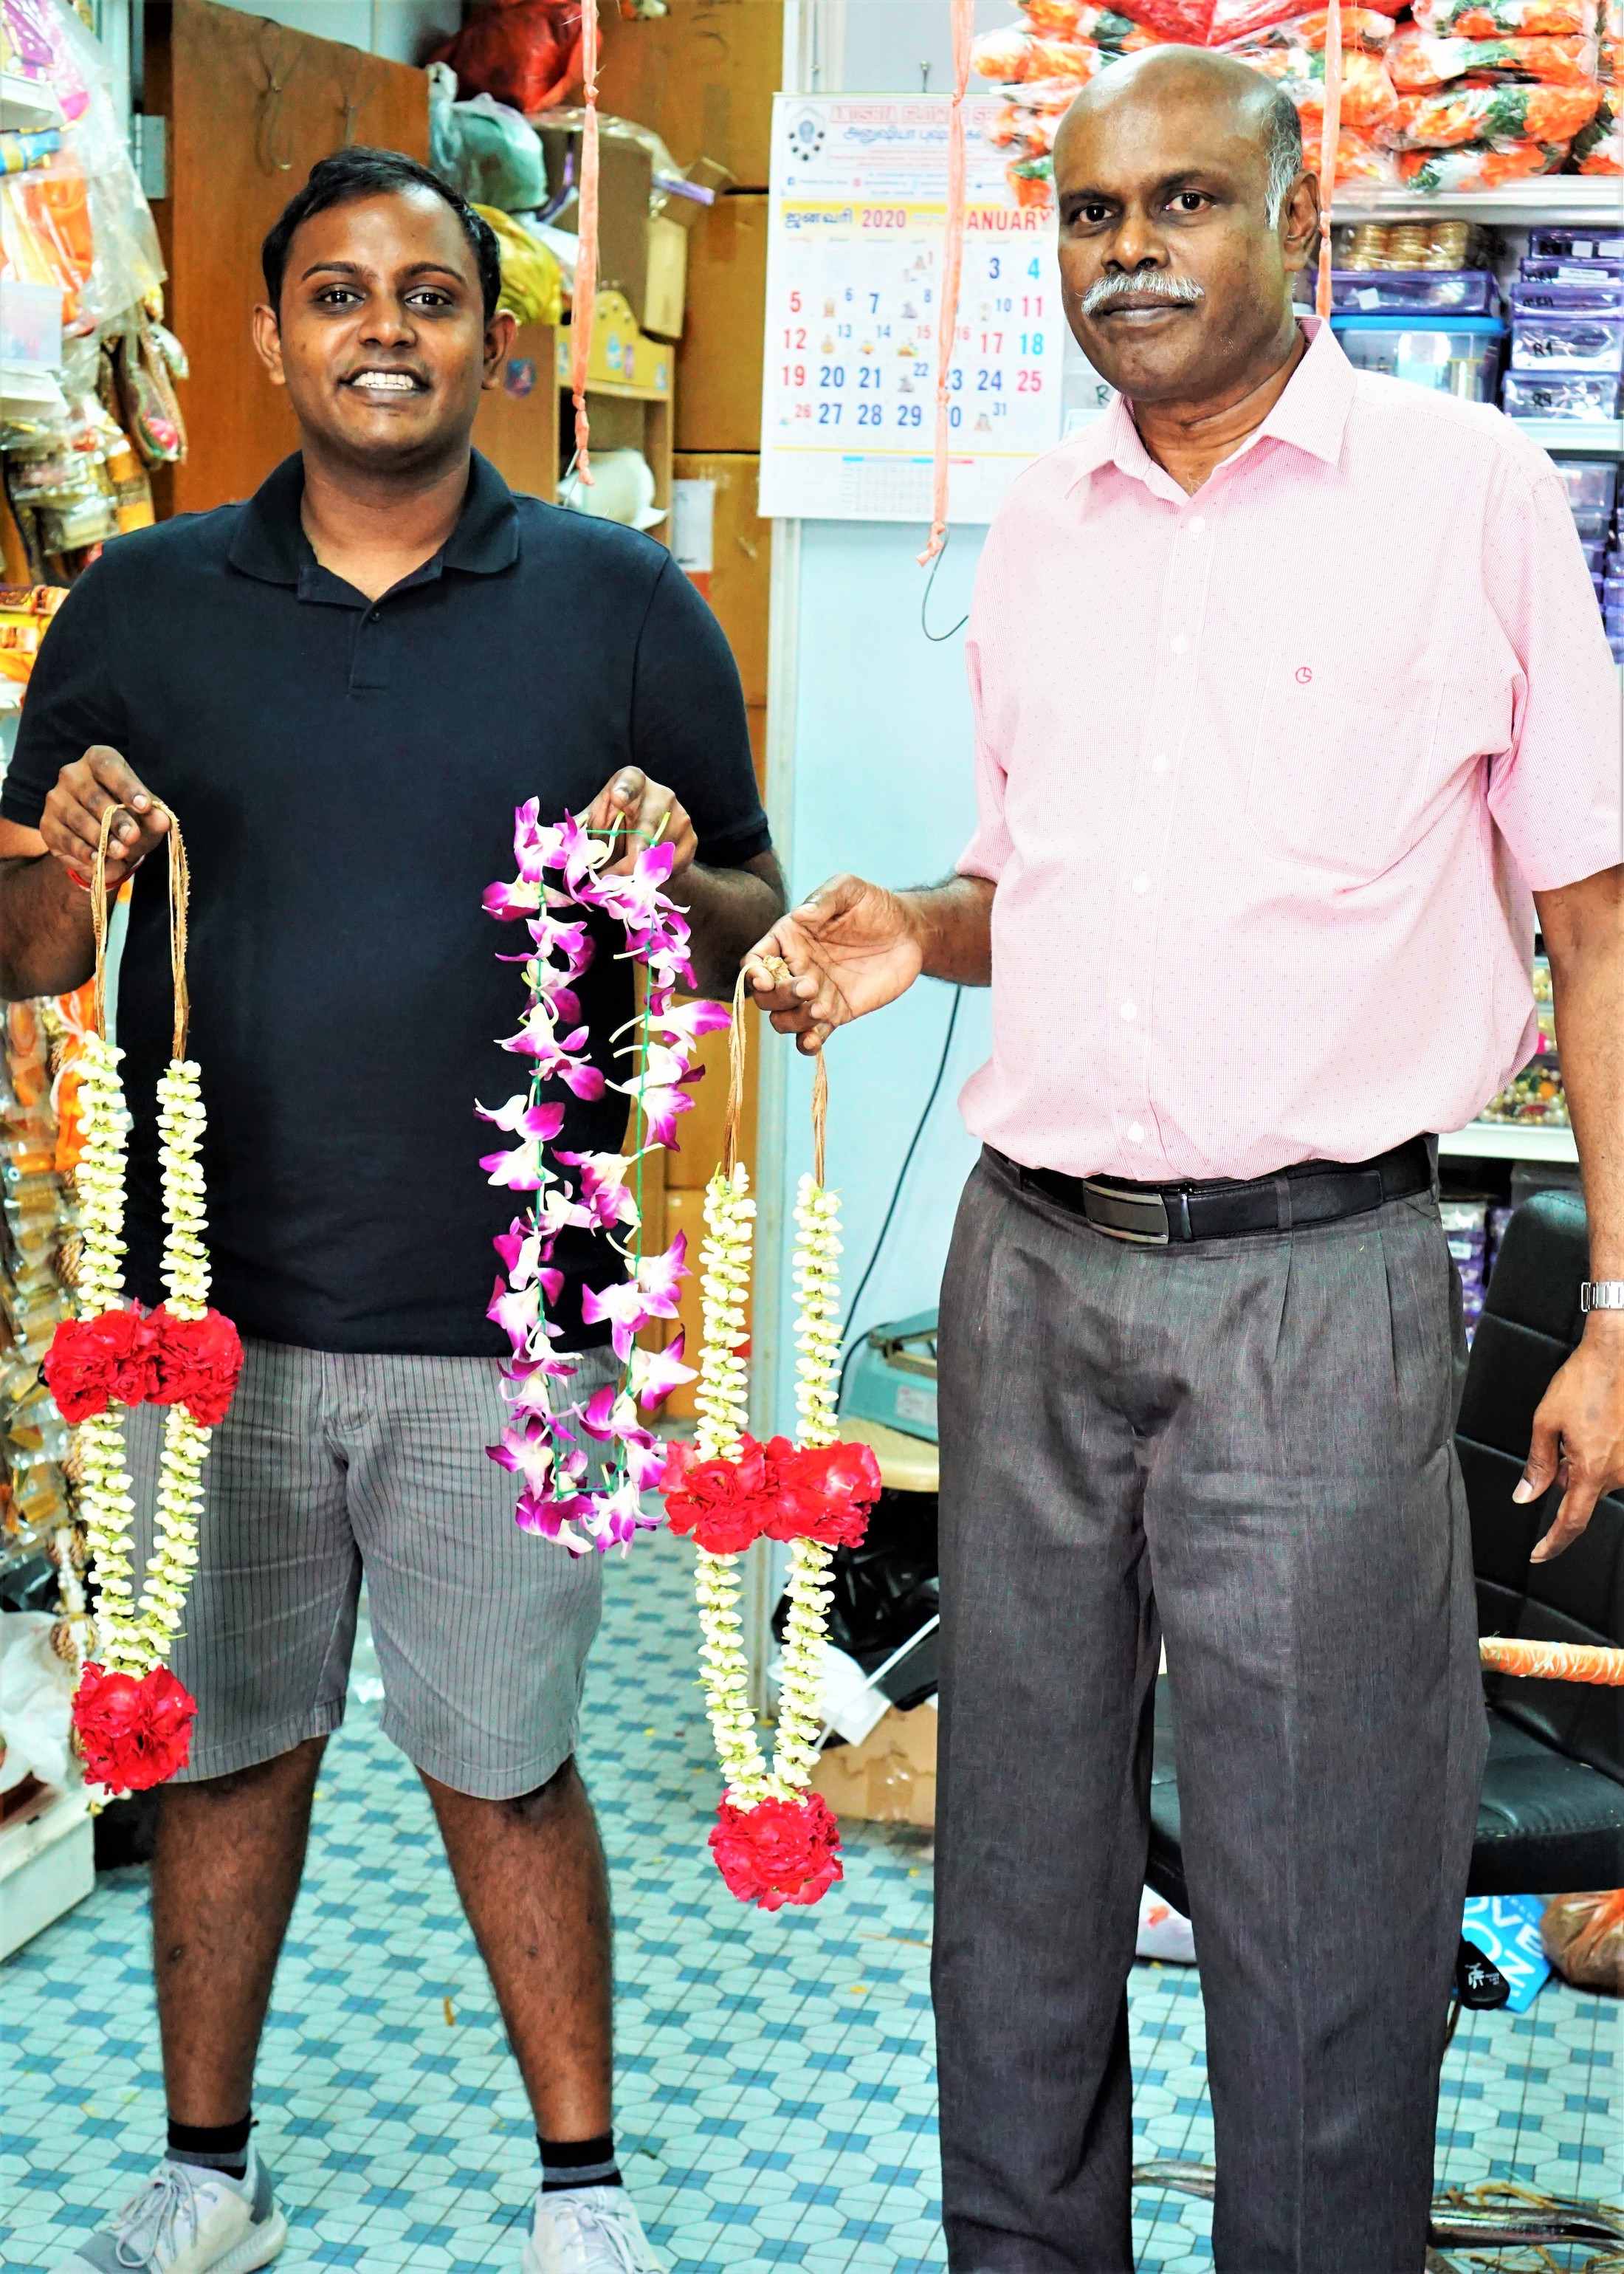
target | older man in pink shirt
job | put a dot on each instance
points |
(1291, 703)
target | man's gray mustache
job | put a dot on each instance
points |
(1155, 284)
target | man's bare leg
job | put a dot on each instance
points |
(532, 1875)
(227, 1866)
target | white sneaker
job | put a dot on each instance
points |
(588, 2231)
(190, 2220)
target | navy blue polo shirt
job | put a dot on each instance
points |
(345, 772)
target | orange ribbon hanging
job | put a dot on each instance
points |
(584, 299)
(952, 265)
(1330, 137)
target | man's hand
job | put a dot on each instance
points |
(71, 825)
(1578, 1436)
(630, 809)
(851, 947)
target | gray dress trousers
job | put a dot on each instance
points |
(1244, 1446)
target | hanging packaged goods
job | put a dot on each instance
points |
(87, 368)
(1509, 88)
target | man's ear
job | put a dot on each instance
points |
(267, 343)
(499, 346)
(1300, 223)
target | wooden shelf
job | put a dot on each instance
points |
(1545, 201)
(625, 362)
(1506, 1140)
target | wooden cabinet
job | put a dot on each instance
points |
(251, 107)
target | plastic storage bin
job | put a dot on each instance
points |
(1562, 343)
(1577, 243)
(1553, 269)
(1587, 398)
(1419, 291)
(1591, 484)
(1460, 356)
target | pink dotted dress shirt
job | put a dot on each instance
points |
(1266, 776)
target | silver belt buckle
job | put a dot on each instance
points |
(1138, 1217)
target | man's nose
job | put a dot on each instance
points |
(388, 324)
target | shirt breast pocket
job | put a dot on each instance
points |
(1343, 767)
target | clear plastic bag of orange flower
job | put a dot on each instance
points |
(1584, 1936)
(1420, 61)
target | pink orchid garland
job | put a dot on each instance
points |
(560, 870)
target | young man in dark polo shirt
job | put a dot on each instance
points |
(343, 687)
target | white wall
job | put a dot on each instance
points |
(871, 771)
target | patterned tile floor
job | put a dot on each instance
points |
(776, 2083)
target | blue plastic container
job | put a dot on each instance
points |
(1453, 355)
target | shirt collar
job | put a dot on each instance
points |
(1312, 415)
(270, 541)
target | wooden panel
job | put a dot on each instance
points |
(756, 717)
(719, 359)
(702, 76)
(700, 1132)
(252, 106)
(738, 587)
(517, 424)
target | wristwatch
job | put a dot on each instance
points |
(1601, 1295)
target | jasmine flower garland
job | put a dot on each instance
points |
(132, 1719)
(774, 1842)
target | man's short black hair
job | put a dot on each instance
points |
(350, 175)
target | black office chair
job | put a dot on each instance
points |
(1551, 1819)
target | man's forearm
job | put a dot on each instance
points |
(47, 946)
(1584, 937)
(953, 925)
(728, 909)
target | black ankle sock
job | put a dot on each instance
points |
(214, 2147)
(578, 2163)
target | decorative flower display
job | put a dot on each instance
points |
(775, 1843)
(132, 1718)
(560, 874)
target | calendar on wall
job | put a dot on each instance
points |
(854, 279)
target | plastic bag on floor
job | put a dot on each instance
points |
(1164, 1933)
(1584, 1939)
(1506, 1929)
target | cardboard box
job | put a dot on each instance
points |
(625, 178)
(719, 361)
(731, 560)
(516, 425)
(702, 76)
(891, 1778)
(667, 278)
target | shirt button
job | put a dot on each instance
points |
(1141, 883)
(375, 613)
(1195, 524)
(1130, 1010)
(1160, 763)
(1178, 643)
(1136, 1132)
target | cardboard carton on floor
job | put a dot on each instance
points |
(891, 1778)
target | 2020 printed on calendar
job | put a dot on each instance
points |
(854, 267)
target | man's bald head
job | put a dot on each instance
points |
(1184, 214)
(1258, 108)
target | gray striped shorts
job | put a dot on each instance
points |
(330, 1466)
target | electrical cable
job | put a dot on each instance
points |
(896, 1190)
(937, 638)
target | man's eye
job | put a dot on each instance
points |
(1188, 201)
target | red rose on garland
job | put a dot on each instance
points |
(825, 1493)
(132, 1733)
(94, 1363)
(198, 1362)
(779, 1852)
(725, 1505)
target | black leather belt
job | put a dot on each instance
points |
(1309, 1192)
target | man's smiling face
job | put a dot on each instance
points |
(380, 338)
(1171, 272)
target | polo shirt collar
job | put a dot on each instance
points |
(1312, 415)
(270, 541)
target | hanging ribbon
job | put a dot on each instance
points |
(1330, 136)
(585, 296)
(952, 264)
